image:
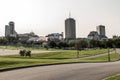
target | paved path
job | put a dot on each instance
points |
(8, 52)
(98, 55)
(81, 71)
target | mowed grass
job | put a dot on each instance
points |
(113, 57)
(63, 54)
(53, 57)
(114, 78)
(69, 54)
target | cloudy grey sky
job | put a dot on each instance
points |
(47, 16)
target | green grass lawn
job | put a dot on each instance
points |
(114, 78)
(68, 54)
(53, 57)
(113, 57)
(63, 54)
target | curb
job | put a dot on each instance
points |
(111, 76)
(23, 67)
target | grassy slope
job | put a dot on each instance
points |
(114, 78)
(113, 57)
(52, 57)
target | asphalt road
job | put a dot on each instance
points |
(80, 71)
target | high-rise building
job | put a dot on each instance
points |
(9, 30)
(101, 30)
(70, 28)
(11, 25)
(99, 34)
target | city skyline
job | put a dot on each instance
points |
(47, 16)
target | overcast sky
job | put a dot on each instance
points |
(47, 16)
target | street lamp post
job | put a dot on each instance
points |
(115, 50)
(77, 53)
(119, 56)
(108, 55)
(77, 48)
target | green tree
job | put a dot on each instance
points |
(71, 44)
(110, 43)
(52, 44)
(62, 45)
(83, 44)
(3, 41)
(80, 45)
(94, 43)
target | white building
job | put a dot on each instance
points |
(26, 36)
(55, 37)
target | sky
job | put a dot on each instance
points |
(48, 16)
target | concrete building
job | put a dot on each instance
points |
(70, 28)
(101, 30)
(55, 37)
(93, 35)
(26, 36)
(99, 34)
(9, 30)
(11, 25)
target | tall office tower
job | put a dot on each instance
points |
(101, 30)
(9, 30)
(11, 25)
(70, 28)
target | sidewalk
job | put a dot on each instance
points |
(99, 55)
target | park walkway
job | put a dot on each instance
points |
(5, 52)
(99, 55)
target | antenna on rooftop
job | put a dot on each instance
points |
(69, 14)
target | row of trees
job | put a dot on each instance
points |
(9, 40)
(111, 43)
(71, 44)
(14, 41)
